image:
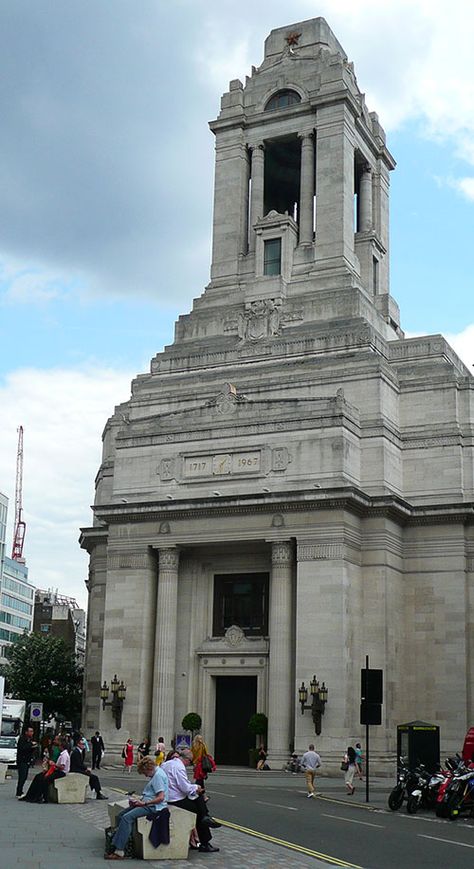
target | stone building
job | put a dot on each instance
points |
(290, 487)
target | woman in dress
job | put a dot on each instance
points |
(160, 751)
(143, 749)
(127, 755)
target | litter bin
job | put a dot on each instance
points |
(418, 741)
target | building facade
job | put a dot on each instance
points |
(290, 488)
(16, 593)
(56, 615)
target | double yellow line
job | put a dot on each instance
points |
(299, 848)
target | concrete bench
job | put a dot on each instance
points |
(3, 772)
(70, 789)
(181, 825)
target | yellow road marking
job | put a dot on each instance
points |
(301, 850)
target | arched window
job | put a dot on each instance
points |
(282, 100)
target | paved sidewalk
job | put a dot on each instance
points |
(53, 836)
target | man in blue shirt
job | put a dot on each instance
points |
(154, 799)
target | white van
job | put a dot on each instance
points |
(8, 750)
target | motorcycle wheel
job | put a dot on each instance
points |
(395, 799)
(441, 810)
(412, 805)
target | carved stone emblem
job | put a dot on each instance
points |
(234, 635)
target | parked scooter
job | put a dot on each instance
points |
(452, 765)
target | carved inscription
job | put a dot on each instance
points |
(222, 464)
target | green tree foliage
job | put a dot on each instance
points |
(43, 669)
(192, 721)
(258, 724)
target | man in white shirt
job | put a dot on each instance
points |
(310, 763)
(182, 793)
(64, 761)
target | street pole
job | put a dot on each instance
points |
(367, 753)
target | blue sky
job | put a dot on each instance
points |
(106, 168)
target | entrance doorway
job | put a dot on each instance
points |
(236, 702)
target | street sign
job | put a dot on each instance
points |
(183, 740)
(36, 711)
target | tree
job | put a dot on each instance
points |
(43, 669)
(258, 724)
(192, 721)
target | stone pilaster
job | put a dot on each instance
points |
(165, 646)
(256, 198)
(96, 585)
(306, 188)
(280, 700)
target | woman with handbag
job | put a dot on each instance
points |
(127, 754)
(203, 762)
(348, 767)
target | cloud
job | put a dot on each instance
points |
(105, 159)
(63, 413)
(463, 343)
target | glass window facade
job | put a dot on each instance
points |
(13, 603)
(16, 621)
(272, 256)
(282, 100)
(17, 587)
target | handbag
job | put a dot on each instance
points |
(345, 765)
(123, 752)
(206, 764)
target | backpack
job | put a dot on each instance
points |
(206, 764)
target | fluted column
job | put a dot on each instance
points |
(165, 646)
(280, 699)
(256, 196)
(365, 204)
(306, 188)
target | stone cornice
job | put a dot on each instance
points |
(351, 499)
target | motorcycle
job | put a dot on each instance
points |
(425, 792)
(453, 764)
(406, 782)
(459, 795)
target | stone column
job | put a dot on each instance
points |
(306, 188)
(365, 203)
(280, 684)
(165, 646)
(256, 198)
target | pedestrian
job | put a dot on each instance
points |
(78, 765)
(153, 800)
(348, 766)
(98, 749)
(143, 749)
(55, 748)
(190, 797)
(25, 753)
(127, 754)
(293, 765)
(310, 762)
(203, 762)
(262, 759)
(160, 751)
(38, 789)
(359, 760)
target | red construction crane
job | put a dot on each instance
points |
(20, 525)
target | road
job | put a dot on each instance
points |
(332, 826)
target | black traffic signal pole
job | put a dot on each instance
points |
(367, 738)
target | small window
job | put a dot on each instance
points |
(45, 629)
(375, 275)
(282, 100)
(272, 257)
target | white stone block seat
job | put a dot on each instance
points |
(181, 825)
(70, 789)
(3, 772)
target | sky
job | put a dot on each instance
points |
(106, 176)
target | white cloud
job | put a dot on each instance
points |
(63, 413)
(463, 343)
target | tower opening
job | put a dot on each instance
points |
(282, 176)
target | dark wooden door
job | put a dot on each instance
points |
(236, 702)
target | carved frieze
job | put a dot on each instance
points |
(130, 560)
(234, 636)
(319, 551)
(282, 552)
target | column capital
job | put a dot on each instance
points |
(306, 136)
(256, 147)
(282, 552)
(168, 558)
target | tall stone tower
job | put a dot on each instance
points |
(290, 488)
